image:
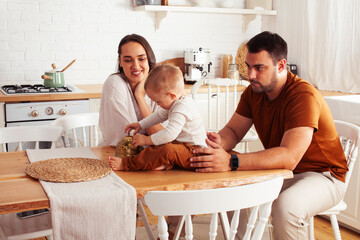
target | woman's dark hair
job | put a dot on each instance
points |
(270, 42)
(141, 40)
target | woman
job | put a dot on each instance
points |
(123, 98)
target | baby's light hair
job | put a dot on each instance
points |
(164, 77)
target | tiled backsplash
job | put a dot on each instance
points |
(35, 34)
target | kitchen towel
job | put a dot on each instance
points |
(99, 209)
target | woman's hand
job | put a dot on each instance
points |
(145, 110)
(213, 159)
(132, 126)
(141, 140)
(139, 91)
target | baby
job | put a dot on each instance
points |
(185, 131)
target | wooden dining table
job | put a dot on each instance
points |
(19, 192)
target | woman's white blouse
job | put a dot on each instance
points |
(118, 108)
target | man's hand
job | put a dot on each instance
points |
(141, 140)
(213, 159)
(133, 126)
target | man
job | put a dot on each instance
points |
(297, 131)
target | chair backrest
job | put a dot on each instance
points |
(349, 135)
(221, 104)
(22, 134)
(214, 201)
(224, 106)
(80, 130)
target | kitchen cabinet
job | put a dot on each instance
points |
(162, 11)
(95, 104)
(202, 104)
(2, 114)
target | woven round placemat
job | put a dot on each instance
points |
(240, 59)
(67, 170)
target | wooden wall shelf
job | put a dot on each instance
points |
(162, 11)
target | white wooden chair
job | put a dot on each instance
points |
(350, 138)
(143, 218)
(22, 134)
(221, 104)
(258, 196)
(12, 227)
(80, 130)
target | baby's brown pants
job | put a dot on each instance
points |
(169, 154)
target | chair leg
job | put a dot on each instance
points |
(264, 213)
(144, 219)
(270, 228)
(224, 221)
(179, 228)
(251, 222)
(213, 226)
(188, 228)
(311, 228)
(162, 228)
(234, 224)
(335, 226)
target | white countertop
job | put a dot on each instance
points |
(345, 108)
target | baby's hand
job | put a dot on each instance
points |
(141, 140)
(214, 137)
(133, 126)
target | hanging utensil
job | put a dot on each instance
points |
(68, 65)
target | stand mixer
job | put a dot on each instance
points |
(195, 64)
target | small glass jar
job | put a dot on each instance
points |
(227, 59)
(233, 72)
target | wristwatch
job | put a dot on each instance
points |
(234, 162)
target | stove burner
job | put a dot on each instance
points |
(36, 88)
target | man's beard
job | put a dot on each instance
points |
(261, 88)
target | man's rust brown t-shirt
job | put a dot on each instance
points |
(298, 105)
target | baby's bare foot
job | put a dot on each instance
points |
(163, 167)
(115, 163)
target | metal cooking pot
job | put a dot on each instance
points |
(53, 79)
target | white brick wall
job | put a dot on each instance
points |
(34, 34)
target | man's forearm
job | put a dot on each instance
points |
(228, 138)
(293, 145)
(273, 158)
(234, 131)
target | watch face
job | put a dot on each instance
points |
(234, 162)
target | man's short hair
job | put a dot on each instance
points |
(270, 42)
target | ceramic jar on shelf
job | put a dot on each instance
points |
(233, 72)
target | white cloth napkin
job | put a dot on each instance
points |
(100, 209)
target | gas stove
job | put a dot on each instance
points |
(39, 112)
(36, 88)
